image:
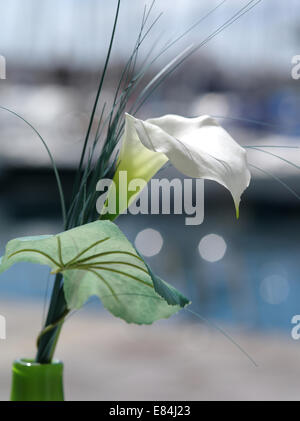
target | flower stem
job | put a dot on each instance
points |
(47, 340)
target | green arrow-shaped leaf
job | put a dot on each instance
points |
(97, 259)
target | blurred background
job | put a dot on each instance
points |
(242, 275)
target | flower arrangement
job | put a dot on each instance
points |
(91, 256)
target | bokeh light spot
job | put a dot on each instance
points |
(149, 242)
(212, 247)
(274, 289)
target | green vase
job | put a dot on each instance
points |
(32, 381)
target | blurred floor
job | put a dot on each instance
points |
(106, 359)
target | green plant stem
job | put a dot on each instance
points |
(57, 310)
(52, 326)
(79, 171)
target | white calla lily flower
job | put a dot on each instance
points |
(197, 147)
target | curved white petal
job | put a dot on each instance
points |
(136, 158)
(197, 147)
(137, 161)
